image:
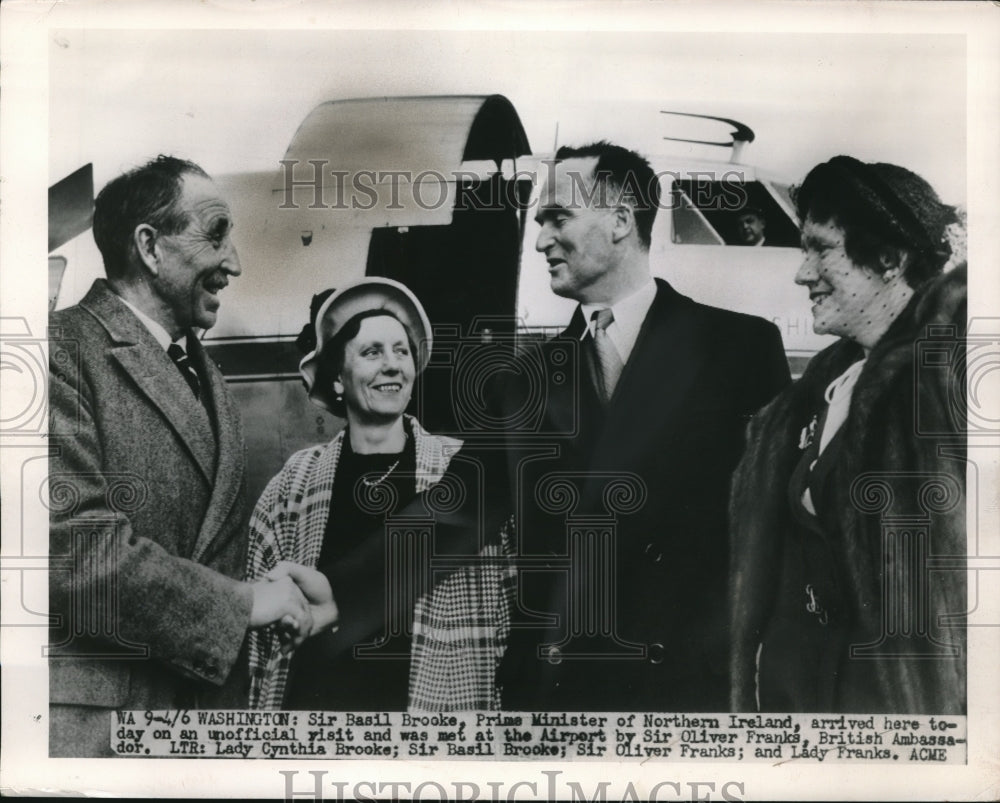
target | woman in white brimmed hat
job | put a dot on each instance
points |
(327, 509)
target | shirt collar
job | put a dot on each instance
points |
(629, 312)
(155, 328)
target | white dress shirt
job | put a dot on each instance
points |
(630, 313)
(155, 328)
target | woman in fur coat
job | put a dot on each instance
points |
(848, 508)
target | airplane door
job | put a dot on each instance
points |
(465, 275)
(407, 188)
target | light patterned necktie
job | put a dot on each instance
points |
(608, 360)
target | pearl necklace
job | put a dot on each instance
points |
(372, 483)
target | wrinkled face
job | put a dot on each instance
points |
(750, 227)
(377, 378)
(849, 300)
(196, 263)
(576, 231)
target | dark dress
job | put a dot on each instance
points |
(327, 672)
(805, 662)
(797, 659)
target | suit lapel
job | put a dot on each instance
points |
(656, 381)
(566, 400)
(230, 459)
(153, 372)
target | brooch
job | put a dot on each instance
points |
(814, 607)
(808, 433)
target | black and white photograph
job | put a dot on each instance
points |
(500, 401)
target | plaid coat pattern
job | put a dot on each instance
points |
(460, 627)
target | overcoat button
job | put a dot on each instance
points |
(657, 652)
(554, 655)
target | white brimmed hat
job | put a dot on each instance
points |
(370, 293)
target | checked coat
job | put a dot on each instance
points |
(459, 628)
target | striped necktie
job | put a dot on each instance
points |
(179, 356)
(609, 361)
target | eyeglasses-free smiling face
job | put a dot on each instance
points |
(576, 235)
(376, 380)
(849, 300)
(195, 264)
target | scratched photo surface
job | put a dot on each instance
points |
(529, 405)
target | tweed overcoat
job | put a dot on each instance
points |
(148, 528)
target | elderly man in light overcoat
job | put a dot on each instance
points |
(148, 517)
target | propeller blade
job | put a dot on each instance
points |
(71, 206)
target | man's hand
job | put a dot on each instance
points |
(316, 588)
(281, 600)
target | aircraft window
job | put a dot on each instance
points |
(690, 225)
(732, 213)
(784, 192)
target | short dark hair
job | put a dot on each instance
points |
(146, 194)
(881, 208)
(335, 350)
(627, 174)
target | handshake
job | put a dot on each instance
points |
(295, 599)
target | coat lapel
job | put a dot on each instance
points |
(656, 381)
(230, 461)
(302, 525)
(566, 400)
(153, 372)
(433, 453)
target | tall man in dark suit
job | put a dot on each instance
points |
(148, 517)
(621, 518)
